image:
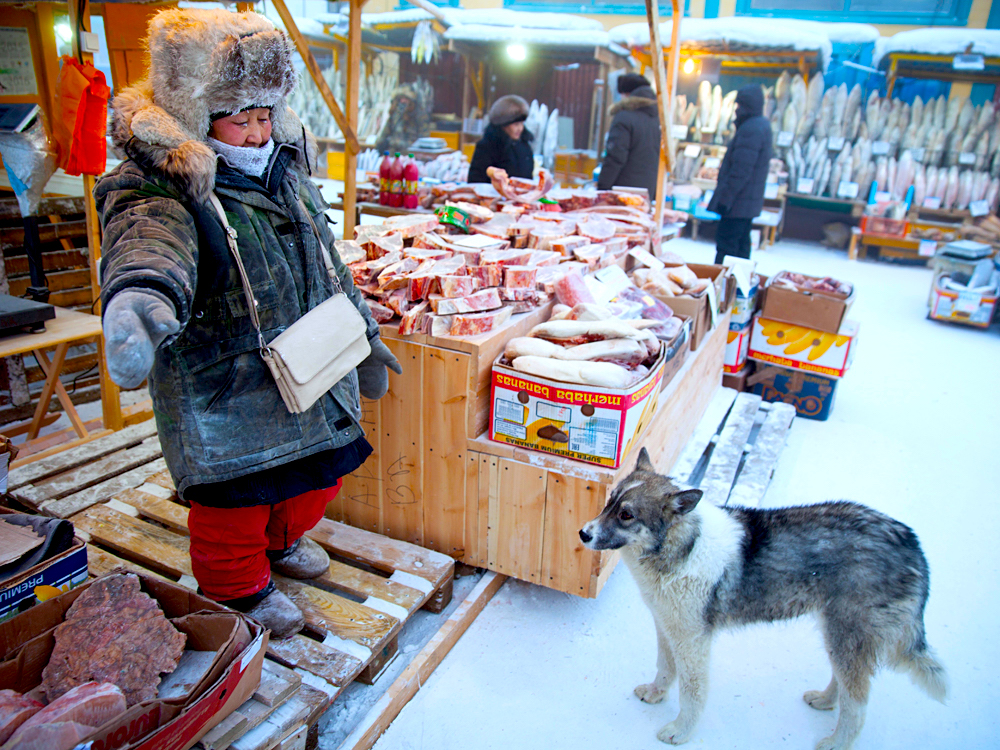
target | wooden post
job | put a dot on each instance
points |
(465, 100)
(351, 101)
(665, 93)
(79, 19)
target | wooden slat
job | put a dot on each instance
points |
(489, 466)
(57, 281)
(329, 613)
(286, 719)
(707, 428)
(72, 365)
(471, 550)
(170, 514)
(725, 460)
(382, 553)
(364, 584)
(162, 478)
(100, 562)
(224, 733)
(332, 665)
(52, 260)
(569, 503)
(253, 713)
(156, 548)
(78, 501)
(14, 236)
(759, 467)
(520, 523)
(277, 684)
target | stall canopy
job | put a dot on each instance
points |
(941, 42)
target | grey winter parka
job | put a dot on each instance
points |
(633, 149)
(218, 410)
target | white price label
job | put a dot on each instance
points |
(847, 190)
(979, 208)
(918, 154)
(968, 62)
(932, 202)
(968, 302)
(712, 162)
(647, 258)
(771, 191)
(926, 248)
(835, 144)
(692, 151)
(785, 138)
(682, 202)
(805, 185)
(882, 196)
(680, 132)
(880, 148)
(967, 157)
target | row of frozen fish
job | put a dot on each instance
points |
(712, 113)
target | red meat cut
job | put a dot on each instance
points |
(60, 735)
(15, 709)
(113, 633)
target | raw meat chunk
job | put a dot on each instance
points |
(458, 286)
(504, 257)
(397, 301)
(91, 703)
(487, 299)
(113, 632)
(411, 225)
(519, 277)
(571, 290)
(488, 275)
(15, 709)
(423, 253)
(544, 258)
(350, 251)
(376, 247)
(412, 319)
(381, 313)
(473, 324)
(61, 735)
(523, 295)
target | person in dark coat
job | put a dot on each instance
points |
(633, 148)
(506, 144)
(739, 194)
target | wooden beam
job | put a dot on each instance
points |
(350, 137)
(351, 101)
(430, 8)
(664, 95)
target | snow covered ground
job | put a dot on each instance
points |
(913, 434)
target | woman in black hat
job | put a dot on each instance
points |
(632, 155)
(505, 144)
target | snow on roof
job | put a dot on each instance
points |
(940, 40)
(470, 32)
(503, 17)
(308, 26)
(838, 33)
(760, 33)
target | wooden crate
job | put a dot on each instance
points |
(437, 481)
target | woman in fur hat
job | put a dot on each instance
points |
(212, 116)
(505, 144)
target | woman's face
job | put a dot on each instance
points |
(251, 128)
(514, 130)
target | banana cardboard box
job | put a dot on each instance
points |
(788, 345)
(587, 423)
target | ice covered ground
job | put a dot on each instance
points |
(913, 434)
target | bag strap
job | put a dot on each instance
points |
(324, 251)
(231, 238)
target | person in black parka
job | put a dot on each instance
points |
(633, 148)
(505, 144)
(739, 194)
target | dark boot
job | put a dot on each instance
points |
(278, 613)
(304, 559)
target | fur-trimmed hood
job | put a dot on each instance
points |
(203, 62)
(640, 98)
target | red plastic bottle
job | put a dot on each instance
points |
(411, 179)
(396, 183)
(383, 179)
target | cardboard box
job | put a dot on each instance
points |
(587, 423)
(816, 310)
(778, 343)
(811, 395)
(738, 380)
(61, 573)
(26, 644)
(737, 346)
(745, 307)
(698, 308)
(675, 352)
(968, 308)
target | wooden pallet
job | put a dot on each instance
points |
(727, 458)
(122, 501)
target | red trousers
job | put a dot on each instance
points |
(229, 545)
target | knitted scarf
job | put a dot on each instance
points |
(250, 160)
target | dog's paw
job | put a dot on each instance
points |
(650, 693)
(819, 699)
(674, 733)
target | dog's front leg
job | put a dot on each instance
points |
(691, 656)
(666, 671)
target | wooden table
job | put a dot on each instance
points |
(68, 327)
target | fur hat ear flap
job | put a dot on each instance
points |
(684, 501)
(644, 463)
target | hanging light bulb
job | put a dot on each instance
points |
(63, 32)
(516, 52)
(688, 67)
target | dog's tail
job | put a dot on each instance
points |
(925, 670)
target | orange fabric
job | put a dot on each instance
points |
(81, 120)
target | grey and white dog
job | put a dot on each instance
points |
(700, 567)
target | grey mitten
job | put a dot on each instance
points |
(373, 379)
(135, 323)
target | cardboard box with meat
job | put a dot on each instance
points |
(809, 301)
(95, 655)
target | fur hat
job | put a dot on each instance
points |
(508, 109)
(630, 82)
(203, 62)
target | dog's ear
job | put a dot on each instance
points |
(685, 500)
(644, 463)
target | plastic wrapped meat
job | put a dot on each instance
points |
(487, 299)
(564, 245)
(60, 735)
(588, 311)
(574, 332)
(519, 277)
(602, 374)
(652, 308)
(571, 289)
(15, 709)
(596, 228)
(473, 324)
(92, 704)
(625, 352)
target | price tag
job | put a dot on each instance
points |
(771, 191)
(880, 148)
(785, 138)
(680, 132)
(847, 190)
(918, 154)
(968, 62)
(682, 202)
(882, 196)
(979, 208)
(926, 248)
(647, 258)
(932, 202)
(804, 185)
(712, 162)
(692, 151)
(967, 157)
(968, 302)
(835, 144)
